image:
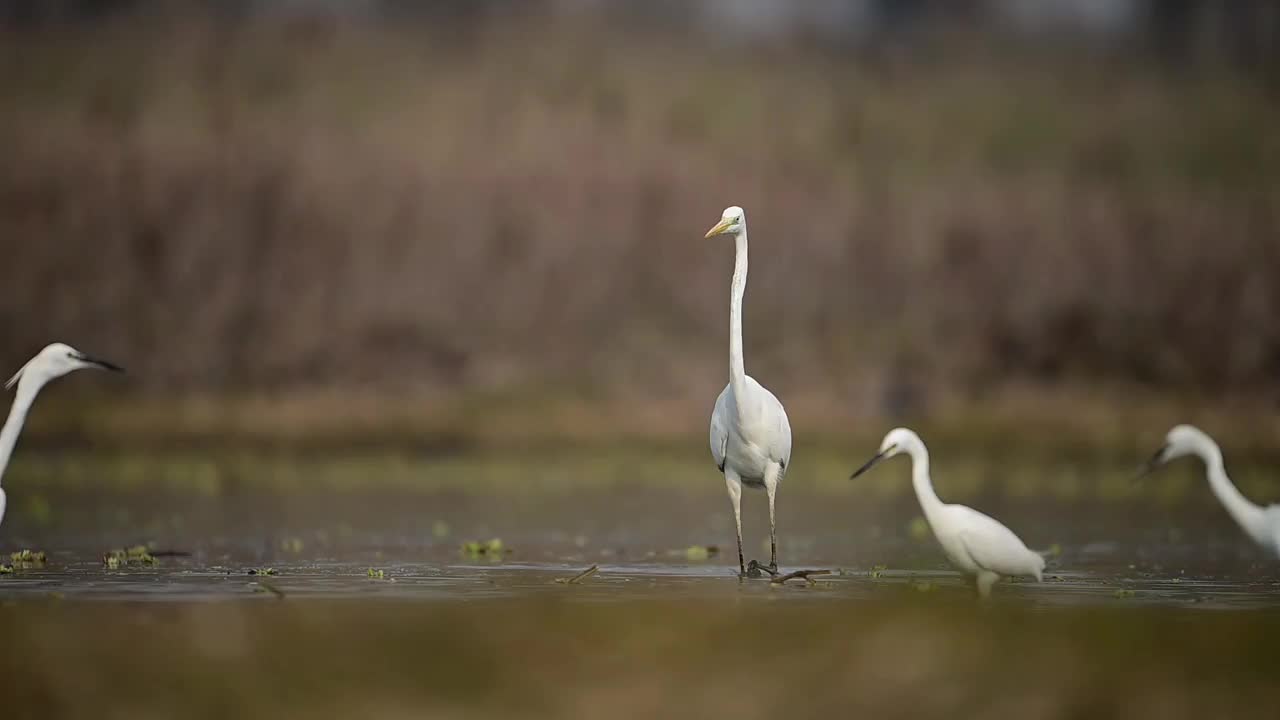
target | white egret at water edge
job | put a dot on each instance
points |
(1260, 523)
(750, 434)
(975, 543)
(51, 363)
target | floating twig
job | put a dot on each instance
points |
(585, 574)
(271, 587)
(806, 575)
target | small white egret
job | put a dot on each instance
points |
(976, 543)
(750, 434)
(49, 364)
(1260, 523)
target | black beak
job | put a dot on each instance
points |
(101, 363)
(872, 462)
(1153, 464)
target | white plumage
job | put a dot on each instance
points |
(750, 433)
(1262, 524)
(975, 543)
(49, 364)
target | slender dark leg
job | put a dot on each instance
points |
(735, 496)
(771, 487)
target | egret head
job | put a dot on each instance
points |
(1181, 441)
(732, 222)
(55, 361)
(899, 440)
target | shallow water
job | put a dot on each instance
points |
(181, 579)
(323, 522)
(324, 547)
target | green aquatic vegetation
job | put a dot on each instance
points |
(1123, 593)
(6, 569)
(491, 549)
(138, 552)
(261, 571)
(696, 553)
(28, 556)
(576, 579)
(877, 571)
(136, 555)
(376, 574)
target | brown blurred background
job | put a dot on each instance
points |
(458, 219)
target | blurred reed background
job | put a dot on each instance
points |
(453, 221)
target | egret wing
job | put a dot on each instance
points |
(772, 419)
(994, 547)
(720, 429)
(780, 447)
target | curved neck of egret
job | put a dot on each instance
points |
(923, 484)
(22, 400)
(737, 368)
(1244, 512)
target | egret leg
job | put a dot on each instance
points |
(771, 487)
(735, 496)
(1, 505)
(985, 580)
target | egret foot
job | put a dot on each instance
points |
(756, 569)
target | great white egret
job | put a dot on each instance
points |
(49, 364)
(750, 434)
(975, 543)
(1260, 523)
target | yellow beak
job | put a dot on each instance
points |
(719, 228)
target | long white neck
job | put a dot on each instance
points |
(737, 368)
(920, 479)
(28, 388)
(1246, 514)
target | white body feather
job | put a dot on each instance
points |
(974, 542)
(750, 435)
(50, 363)
(1260, 523)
